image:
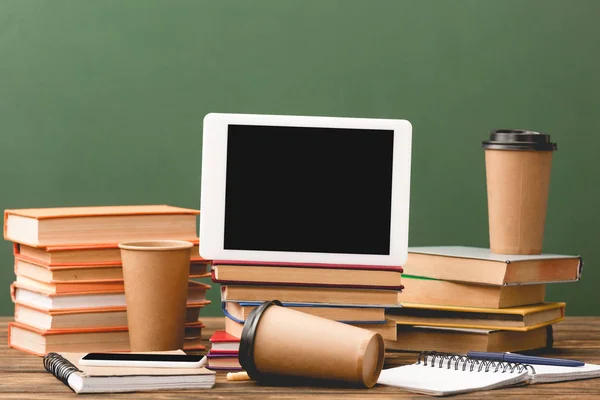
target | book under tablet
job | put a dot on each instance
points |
(306, 274)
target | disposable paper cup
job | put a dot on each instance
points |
(518, 165)
(279, 343)
(156, 277)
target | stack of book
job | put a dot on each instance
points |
(224, 351)
(356, 295)
(69, 293)
(460, 299)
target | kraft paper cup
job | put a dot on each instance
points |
(156, 277)
(279, 343)
(518, 165)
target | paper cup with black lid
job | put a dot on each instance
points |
(281, 344)
(518, 165)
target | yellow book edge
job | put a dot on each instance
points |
(485, 327)
(510, 310)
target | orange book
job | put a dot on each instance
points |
(70, 288)
(30, 295)
(79, 274)
(42, 227)
(461, 341)
(74, 319)
(40, 342)
(84, 255)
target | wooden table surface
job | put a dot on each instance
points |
(23, 376)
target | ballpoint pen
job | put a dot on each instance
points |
(518, 358)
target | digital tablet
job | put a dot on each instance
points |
(301, 189)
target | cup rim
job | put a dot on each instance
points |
(246, 350)
(156, 245)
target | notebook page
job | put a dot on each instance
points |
(549, 373)
(443, 381)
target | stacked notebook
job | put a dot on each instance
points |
(88, 379)
(460, 299)
(224, 351)
(69, 292)
(352, 294)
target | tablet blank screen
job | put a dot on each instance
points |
(320, 190)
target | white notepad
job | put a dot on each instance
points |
(441, 374)
(548, 374)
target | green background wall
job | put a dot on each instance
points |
(102, 102)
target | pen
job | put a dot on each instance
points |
(518, 358)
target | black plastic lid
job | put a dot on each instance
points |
(517, 139)
(246, 352)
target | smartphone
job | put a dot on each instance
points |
(141, 360)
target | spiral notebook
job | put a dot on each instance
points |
(65, 367)
(444, 374)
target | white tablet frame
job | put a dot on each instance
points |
(212, 195)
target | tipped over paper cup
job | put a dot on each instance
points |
(279, 343)
(518, 165)
(156, 277)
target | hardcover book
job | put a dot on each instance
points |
(478, 265)
(108, 339)
(433, 291)
(90, 273)
(74, 319)
(224, 343)
(302, 294)
(509, 319)
(458, 340)
(43, 227)
(93, 254)
(28, 295)
(356, 277)
(347, 314)
(221, 361)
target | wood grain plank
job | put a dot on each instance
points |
(577, 337)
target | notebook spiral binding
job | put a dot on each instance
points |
(60, 367)
(456, 361)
